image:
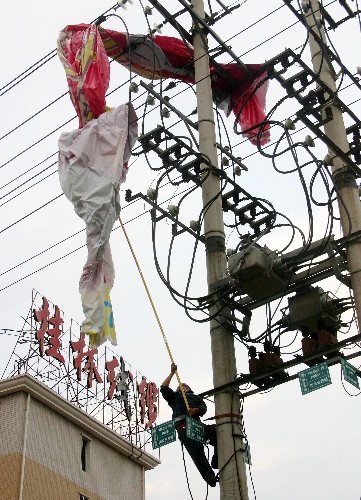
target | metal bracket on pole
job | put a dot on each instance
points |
(186, 35)
(332, 23)
(164, 214)
(344, 178)
(246, 379)
(216, 37)
(151, 90)
(313, 102)
(336, 267)
(214, 244)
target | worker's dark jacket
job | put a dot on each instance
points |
(176, 402)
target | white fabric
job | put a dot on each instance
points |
(92, 165)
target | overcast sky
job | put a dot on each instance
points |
(302, 446)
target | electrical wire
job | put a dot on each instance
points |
(186, 473)
(37, 65)
(309, 197)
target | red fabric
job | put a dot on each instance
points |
(89, 61)
(247, 101)
(248, 105)
(176, 51)
(115, 43)
(175, 60)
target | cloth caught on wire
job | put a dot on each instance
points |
(93, 162)
(92, 165)
(238, 89)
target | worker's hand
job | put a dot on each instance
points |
(173, 368)
(193, 412)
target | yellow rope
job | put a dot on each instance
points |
(155, 312)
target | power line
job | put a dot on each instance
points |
(50, 201)
(31, 213)
(37, 65)
(33, 116)
(25, 74)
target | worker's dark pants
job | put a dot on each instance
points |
(196, 452)
(210, 435)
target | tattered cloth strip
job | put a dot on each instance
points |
(92, 165)
(237, 89)
(87, 71)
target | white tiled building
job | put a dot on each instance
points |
(52, 450)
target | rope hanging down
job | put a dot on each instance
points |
(155, 312)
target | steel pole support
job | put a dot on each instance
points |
(343, 176)
(233, 479)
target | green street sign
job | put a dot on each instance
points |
(195, 430)
(314, 378)
(349, 373)
(163, 434)
(247, 455)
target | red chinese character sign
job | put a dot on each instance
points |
(148, 397)
(138, 402)
(111, 366)
(54, 334)
(89, 366)
(43, 316)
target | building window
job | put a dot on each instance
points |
(84, 455)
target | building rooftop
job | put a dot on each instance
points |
(37, 390)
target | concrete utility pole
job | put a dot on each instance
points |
(233, 480)
(343, 176)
